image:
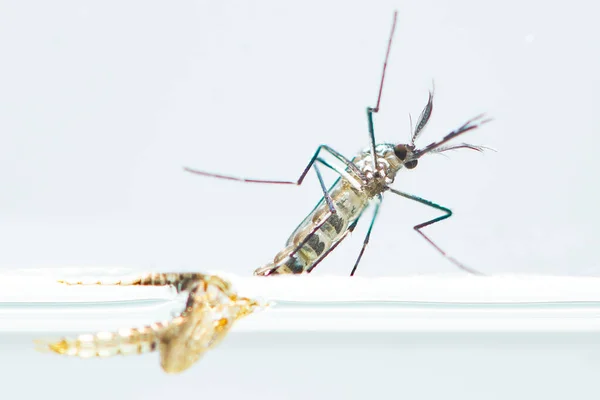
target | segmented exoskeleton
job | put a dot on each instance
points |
(211, 309)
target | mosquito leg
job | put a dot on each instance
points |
(325, 192)
(328, 165)
(368, 236)
(371, 110)
(372, 143)
(349, 164)
(180, 281)
(448, 214)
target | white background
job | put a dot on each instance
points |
(101, 104)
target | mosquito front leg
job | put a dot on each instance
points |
(371, 110)
(447, 214)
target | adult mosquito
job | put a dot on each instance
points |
(361, 183)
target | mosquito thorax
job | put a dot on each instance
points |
(380, 177)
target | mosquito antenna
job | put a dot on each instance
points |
(451, 147)
(425, 115)
(411, 125)
(471, 124)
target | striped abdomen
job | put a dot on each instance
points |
(348, 202)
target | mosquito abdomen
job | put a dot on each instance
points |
(106, 344)
(319, 232)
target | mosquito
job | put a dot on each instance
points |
(361, 183)
(211, 309)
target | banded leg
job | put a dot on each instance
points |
(448, 214)
(368, 235)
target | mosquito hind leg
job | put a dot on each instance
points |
(371, 110)
(448, 214)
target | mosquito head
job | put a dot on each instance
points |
(406, 154)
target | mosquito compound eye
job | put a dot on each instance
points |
(411, 164)
(401, 151)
